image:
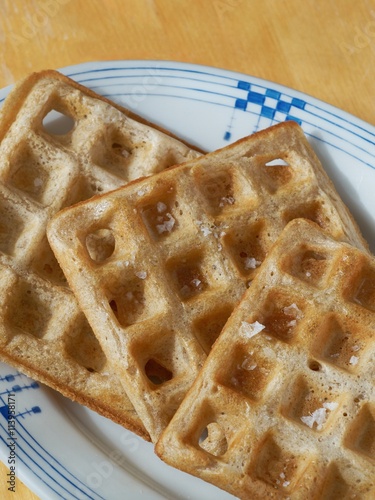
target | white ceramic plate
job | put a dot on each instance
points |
(64, 450)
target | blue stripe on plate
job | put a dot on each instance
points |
(297, 101)
(238, 103)
(50, 471)
(255, 113)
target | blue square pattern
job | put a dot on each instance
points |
(241, 104)
(273, 93)
(243, 85)
(283, 106)
(256, 97)
(270, 102)
(268, 112)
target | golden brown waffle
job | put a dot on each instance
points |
(158, 266)
(42, 330)
(285, 404)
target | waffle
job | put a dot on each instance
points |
(285, 404)
(185, 244)
(43, 332)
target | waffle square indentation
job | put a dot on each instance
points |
(11, 226)
(281, 315)
(277, 466)
(361, 434)
(58, 119)
(308, 265)
(82, 346)
(113, 152)
(29, 310)
(334, 485)
(160, 355)
(58, 123)
(246, 247)
(217, 430)
(29, 174)
(338, 342)
(132, 296)
(247, 372)
(224, 189)
(40, 173)
(309, 404)
(276, 173)
(314, 211)
(46, 265)
(364, 291)
(207, 328)
(100, 244)
(189, 274)
(162, 215)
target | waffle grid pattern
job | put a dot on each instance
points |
(43, 331)
(185, 245)
(288, 409)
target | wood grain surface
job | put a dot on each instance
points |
(325, 48)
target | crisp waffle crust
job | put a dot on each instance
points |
(43, 332)
(158, 266)
(284, 406)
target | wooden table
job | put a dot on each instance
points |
(325, 48)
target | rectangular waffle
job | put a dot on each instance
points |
(43, 332)
(184, 245)
(284, 406)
